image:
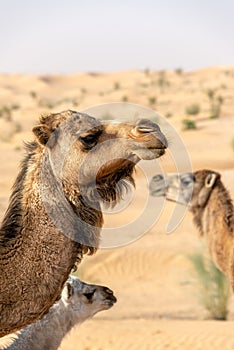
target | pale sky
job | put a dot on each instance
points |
(57, 36)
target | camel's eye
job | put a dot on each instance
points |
(89, 141)
(187, 180)
(89, 295)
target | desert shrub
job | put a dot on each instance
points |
(5, 112)
(193, 109)
(168, 115)
(83, 90)
(116, 85)
(15, 106)
(14, 128)
(107, 116)
(214, 288)
(154, 119)
(223, 86)
(75, 102)
(18, 148)
(125, 98)
(33, 94)
(216, 102)
(210, 94)
(162, 81)
(232, 143)
(17, 127)
(152, 100)
(50, 105)
(178, 71)
(215, 108)
(188, 124)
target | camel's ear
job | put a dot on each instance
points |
(42, 133)
(207, 188)
(67, 291)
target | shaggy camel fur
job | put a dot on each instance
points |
(79, 301)
(54, 215)
(212, 209)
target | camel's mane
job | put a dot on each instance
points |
(12, 223)
(227, 205)
(110, 189)
(222, 197)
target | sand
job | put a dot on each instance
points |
(158, 305)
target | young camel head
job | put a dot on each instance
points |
(187, 188)
(82, 300)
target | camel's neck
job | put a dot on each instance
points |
(46, 334)
(35, 256)
(216, 224)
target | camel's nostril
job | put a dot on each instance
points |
(108, 291)
(158, 177)
(146, 126)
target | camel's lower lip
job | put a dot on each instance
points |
(146, 154)
(111, 301)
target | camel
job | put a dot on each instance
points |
(211, 207)
(79, 301)
(54, 215)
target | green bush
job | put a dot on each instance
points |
(214, 288)
(193, 109)
(188, 124)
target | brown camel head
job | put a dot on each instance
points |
(187, 188)
(86, 153)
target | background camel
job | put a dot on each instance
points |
(54, 215)
(212, 209)
(79, 301)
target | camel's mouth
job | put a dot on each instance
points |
(175, 187)
(144, 153)
(158, 186)
(150, 141)
(110, 301)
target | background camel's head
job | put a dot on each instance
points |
(84, 300)
(86, 152)
(187, 188)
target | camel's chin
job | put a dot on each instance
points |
(149, 154)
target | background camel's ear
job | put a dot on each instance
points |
(67, 292)
(207, 188)
(42, 133)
